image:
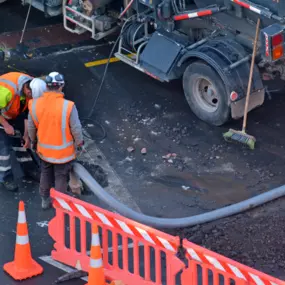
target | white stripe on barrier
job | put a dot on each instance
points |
(22, 217)
(63, 204)
(193, 254)
(215, 262)
(257, 280)
(166, 244)
(145, 235)
(4, 157)
(104, 219)
(96, 263)
(83, 211)
(124, 227)
(236, 271)
(95, 240)
(22, 240)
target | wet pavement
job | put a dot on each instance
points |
(188, 168)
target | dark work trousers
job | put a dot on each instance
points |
(15, 161)
(54, 175)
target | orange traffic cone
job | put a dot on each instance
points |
(23, 266)
(96, 270)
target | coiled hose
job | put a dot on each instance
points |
(177, 222)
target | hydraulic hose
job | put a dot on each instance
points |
(176, 222)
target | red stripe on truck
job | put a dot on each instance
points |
(193, 15)
(205, 13)
(243, 4)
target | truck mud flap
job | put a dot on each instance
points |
(256, 99)
(160, 63)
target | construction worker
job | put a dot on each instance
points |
(55, 130)
(15, 94)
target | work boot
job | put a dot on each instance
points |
(10, 186)
(46, 203)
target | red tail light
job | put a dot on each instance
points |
(272, 40)
(277, 40)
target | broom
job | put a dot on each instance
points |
(242, 136)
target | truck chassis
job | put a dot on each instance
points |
(207, 46)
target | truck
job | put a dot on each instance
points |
(207, 44)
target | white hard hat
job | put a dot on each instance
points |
(54, 79)
(38, 87)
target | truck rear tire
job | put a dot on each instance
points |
(205, 93)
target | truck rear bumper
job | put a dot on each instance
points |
(256, 100)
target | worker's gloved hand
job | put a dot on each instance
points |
(9, 130)
(34, 146)
(80, 147)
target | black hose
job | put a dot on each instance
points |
(104, 133)
(175, 222)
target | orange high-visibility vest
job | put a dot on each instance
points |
(50, 114)
(14, 82)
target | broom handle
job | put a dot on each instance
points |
(250, 76)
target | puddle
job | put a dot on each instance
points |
(221, 188)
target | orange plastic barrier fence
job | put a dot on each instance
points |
(226, 267)
(138, 254)
(132, 252)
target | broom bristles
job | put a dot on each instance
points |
(240, 137)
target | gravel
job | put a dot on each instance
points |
(255, 238)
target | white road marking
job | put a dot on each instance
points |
(43, 224)
(67, 269)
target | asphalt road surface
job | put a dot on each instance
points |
(203, 173)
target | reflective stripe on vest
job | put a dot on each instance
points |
(9, 82)
(64, 145)
(63, 128)
(55, 160)
(14, 87)
(21, 81)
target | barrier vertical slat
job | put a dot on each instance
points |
(105, 247)
(205, 276)
(115, 249)
(125, 249)
(169, 277)
(83, 236)
(136, 257)
(146, 263)
(157, 267)
(61, 228)
(215, 278)
(72, 232)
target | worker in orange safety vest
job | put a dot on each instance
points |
(55, 129)
(15, 94)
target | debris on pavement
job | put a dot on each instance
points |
(157, 106)
(143, 151)
(185, 187)
(130, 149)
